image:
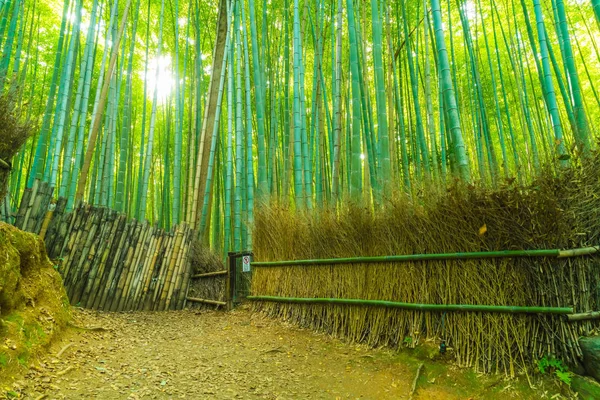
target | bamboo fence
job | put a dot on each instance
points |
(107, 261)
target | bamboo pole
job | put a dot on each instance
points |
(131, 267)
(185, 284)
(108, 261)
(583, 316)
(98, 265)
(210, 274)
(123, 269)
(553, 253)
(170, 270)
(178, 272)
(135, 269)
(47, 219)
(113, 276)
(151, 269)
(420, 307)
(97, 273)
(206, 301)
(146, 271)
(162, 272)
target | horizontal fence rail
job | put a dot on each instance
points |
(551, 253)
(420, 307)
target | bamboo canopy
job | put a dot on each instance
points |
(200, 112)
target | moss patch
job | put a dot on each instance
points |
(33, 303)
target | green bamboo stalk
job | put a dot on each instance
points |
(337, 106)
(262, 175)
(260, 106)
(10, 39)
(450, 105)
(84, 106)
(299, 187)
(96, 125)
(69, 163)
(62, 106)
(582, 136)
(178, 124)
(229, 163)
(355, 161)
(382, 126)
(37, 168)
(124, 149)
(148, 159)
(548, 85)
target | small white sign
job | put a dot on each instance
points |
(246, 263)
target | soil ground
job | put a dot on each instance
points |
(238, 355)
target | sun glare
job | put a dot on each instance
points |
(160, 78)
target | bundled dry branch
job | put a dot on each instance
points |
(552, 213)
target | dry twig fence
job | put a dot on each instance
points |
(108, 262)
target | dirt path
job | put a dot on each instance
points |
(236, 355)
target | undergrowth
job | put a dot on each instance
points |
(551, 365)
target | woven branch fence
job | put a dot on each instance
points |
(553, 213)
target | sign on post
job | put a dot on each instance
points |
(246, 263)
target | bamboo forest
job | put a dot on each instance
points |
(315, 102)
(400, 174)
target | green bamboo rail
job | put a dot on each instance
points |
(557, 253)
(420, 307)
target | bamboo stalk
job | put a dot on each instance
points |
(28, 209)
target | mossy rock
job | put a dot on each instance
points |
(33, 303)
(10, 274)
(587, 388)
(590, 347)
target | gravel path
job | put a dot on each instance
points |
(235, 355)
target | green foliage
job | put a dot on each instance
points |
(550, 365)
(330, 98)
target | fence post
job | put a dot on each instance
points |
(230, 287)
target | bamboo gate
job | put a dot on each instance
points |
(107, 262)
